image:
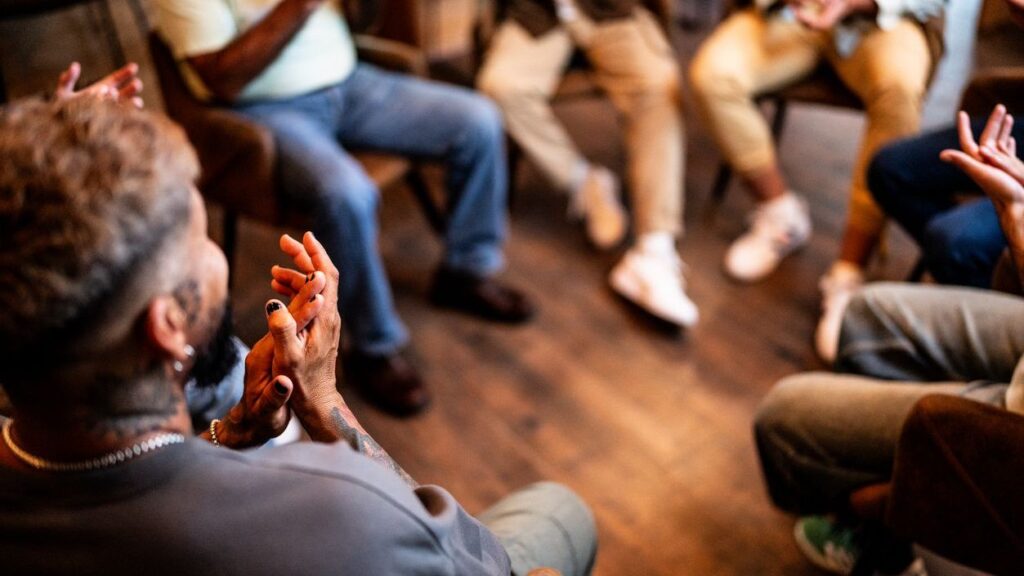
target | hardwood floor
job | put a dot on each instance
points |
(651, 427)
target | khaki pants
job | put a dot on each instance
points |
(751, 54)
(821, 436)
(635, 65)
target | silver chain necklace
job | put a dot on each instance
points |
(155, 443)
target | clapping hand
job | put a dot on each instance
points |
(308, 357)
(122, 85)
(263, 412)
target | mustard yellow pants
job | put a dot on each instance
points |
(751, 53)
(634, 64)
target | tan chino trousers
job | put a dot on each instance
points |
(750, 53)
(634, 63)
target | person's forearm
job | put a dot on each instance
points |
(229, 70)
(333, 421)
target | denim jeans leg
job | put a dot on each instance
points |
(962, 245)
(409, 116)
(326, 182)
(921, 193)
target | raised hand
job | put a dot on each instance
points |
(310, 363)
(991, 161)
(993, 165)
(308, 357)
(262, 413)
(123, 85)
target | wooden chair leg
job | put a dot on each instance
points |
(435, 214)
(514, 154)
(229, 241)
(917, 273)
(779, 118)
(3, 87)
(721, 186)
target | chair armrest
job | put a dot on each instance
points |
(956, 483)
(391, 55)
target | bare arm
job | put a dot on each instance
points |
(334, 422)
(229, 70)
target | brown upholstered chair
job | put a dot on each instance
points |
(238, 156)
(956, 486)
(103, 21)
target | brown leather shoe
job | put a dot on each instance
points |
(390, 382)
(483, 297)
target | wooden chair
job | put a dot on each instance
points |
(238, 156)
(103, 21)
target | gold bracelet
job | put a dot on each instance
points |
(213, 431)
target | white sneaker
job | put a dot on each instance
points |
(655, 283)
(837, 286)
(597, 201)
(777, 228)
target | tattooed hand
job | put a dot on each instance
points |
(262, 413)
(308, 357)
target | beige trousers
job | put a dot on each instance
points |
(750, 54)
(634, 63)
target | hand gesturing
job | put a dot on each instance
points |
(122, 85)
(992, 160)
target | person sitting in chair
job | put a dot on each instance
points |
(113, 297)
(634, 63)
(291, 66)
(823, 436)
(882, 50)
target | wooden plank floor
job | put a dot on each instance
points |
(651, 427)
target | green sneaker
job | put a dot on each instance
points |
(828, 545)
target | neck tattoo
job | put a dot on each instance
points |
(107, 460)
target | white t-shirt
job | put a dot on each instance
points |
(321, 53)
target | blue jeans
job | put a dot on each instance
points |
(381, 111)
(959, 241)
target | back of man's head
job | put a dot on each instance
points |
(90, 194)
